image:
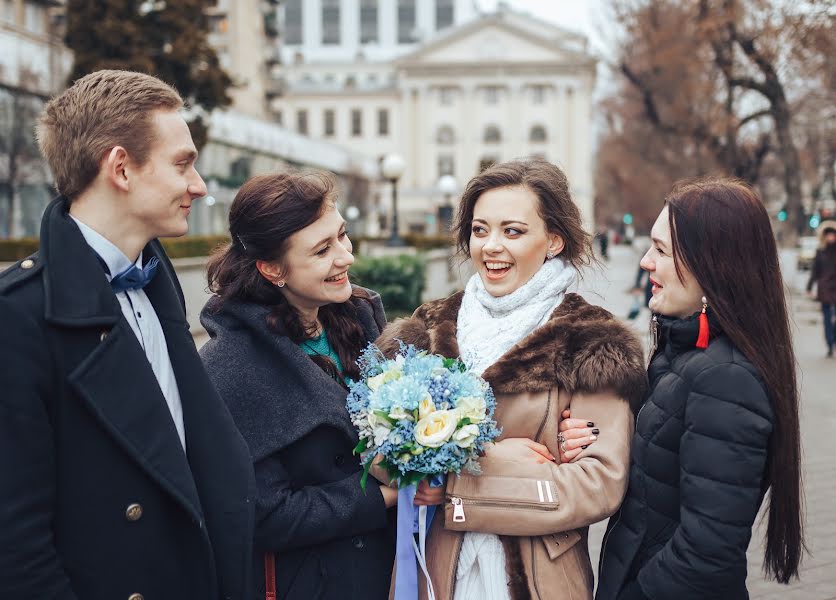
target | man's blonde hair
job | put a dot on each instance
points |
(99, 111)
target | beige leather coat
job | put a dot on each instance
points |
(581, 357)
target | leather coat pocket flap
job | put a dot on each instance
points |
(558, 543)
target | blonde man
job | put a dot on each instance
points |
(122, 474)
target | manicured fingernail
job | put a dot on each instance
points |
(590, 424)
(592, 438)
(584, 447)
(596, 431)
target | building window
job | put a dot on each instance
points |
(445, 136)
(329, 118)
(492, 94)
(443, 14)
(406, 21)
(382, 121)
(446, 95)
(368, 21)
(356, 122)
(446, 164)
(279, 116)
(331, 22)
(350, 82)
(302, 122)
(293, 22)
(538, 94)
(492, 135)
(537, 134)
(486, 161)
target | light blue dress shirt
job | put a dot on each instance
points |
(140, 314)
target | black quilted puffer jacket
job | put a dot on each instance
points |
(696, 476)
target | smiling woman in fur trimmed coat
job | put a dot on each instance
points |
(519, 530)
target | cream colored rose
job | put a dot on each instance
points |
(426, 406)
(473, 408)
(377, 381)
(465, 436)
(436, 428)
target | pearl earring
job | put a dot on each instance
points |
(549, 255)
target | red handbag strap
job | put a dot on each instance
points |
(270, 575)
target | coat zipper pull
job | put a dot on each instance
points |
(458, 510)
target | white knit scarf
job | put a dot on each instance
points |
(487, 328)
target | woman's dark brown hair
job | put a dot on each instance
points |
(265, 213)
(555, 205)
(721, 234)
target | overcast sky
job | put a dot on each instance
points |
(586, 16)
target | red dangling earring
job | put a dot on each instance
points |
(702, 339)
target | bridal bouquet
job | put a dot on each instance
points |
(424, 416)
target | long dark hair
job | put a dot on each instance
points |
(722, 235)
(548, 182)
(266, 211)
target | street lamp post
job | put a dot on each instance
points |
(447, 186)
(392, 168)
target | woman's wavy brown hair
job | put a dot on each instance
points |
(720, 232)
(266, 211)
(556, 207)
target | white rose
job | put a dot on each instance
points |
(465, 436)
(399, 413)
(473, 408)
(425, 406)
(436, 428)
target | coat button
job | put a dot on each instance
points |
(136, 597)
(133, 512)
(358, 542)
(339, 460)
(103, 335)
(27, 264)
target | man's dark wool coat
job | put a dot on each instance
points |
(697, 474)
(331, 539)
(98, 500)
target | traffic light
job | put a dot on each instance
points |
(782, 215)
(628, 219)
(814, 221)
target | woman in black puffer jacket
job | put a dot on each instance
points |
(720, 424)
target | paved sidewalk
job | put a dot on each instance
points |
(817, 380)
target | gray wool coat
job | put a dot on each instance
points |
(331, 539)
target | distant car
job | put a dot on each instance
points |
(807, 247)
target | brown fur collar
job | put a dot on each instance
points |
(582, 347)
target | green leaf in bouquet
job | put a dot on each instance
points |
(463, 421)
(384, 415)
(365, 477)
(411, 478)
(361, 446)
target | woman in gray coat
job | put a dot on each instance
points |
(286, 327)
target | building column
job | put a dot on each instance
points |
(350, 25)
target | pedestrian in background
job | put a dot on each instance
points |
(720, 426)
(823, 277)
(123, 475)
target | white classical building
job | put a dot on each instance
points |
(449, 89)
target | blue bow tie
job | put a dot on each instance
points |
(134, 278)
